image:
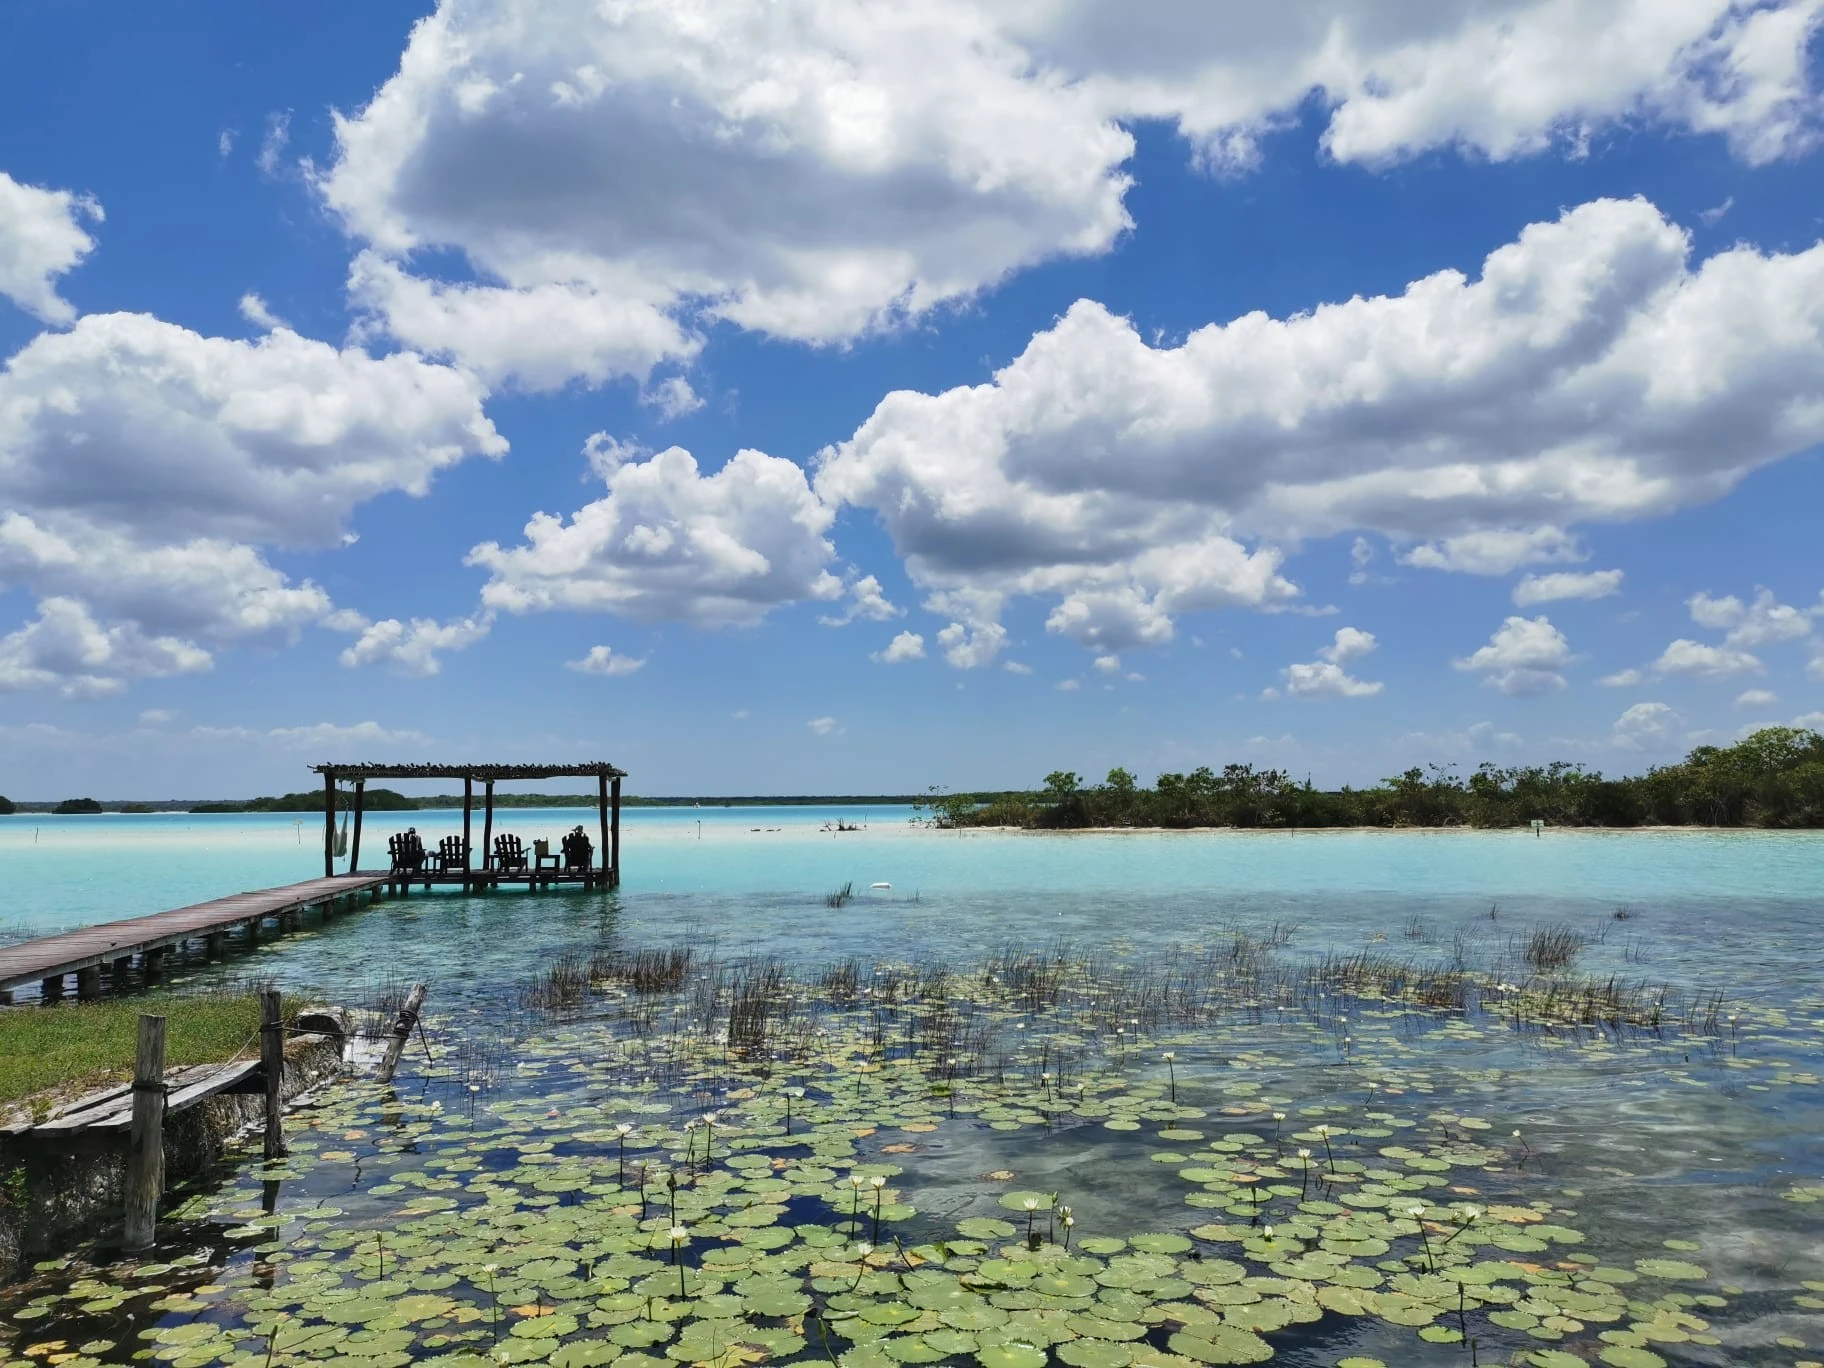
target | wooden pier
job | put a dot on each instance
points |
(113, 945)
(49, 960)
(456, 863)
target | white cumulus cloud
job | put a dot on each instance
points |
(816, 168)
(1566, 584)
(538, 338)
(906, 646)
(1496, 551)
(1591, 372)
(824, 726)
(254, 309)
(1523, 657)
(41, 238)
(1700, 661)
(672, 397)
(810, 168)
(867, 599)
(144, 468)
(1326, 677)
(65, 648)
(604, 661)
(139, 425)
(668, 542)
(1756, 698)
(1763, 622)
(414, 647)
(1645, 727)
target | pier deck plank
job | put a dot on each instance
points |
(50, 956)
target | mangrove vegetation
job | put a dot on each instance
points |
(1773, 778)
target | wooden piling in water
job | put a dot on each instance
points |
(402, 1033)
(145, 1176)
(272, 1063)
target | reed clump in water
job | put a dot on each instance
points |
(1551, 948)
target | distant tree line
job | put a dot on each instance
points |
(373, 800)
(1774, 778)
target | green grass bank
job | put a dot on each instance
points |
(73, 1046)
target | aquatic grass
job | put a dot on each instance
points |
(1035, 1050)
(1551, 948)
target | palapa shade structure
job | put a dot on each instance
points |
(608, 807)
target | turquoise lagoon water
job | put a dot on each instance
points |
(1701, 1146)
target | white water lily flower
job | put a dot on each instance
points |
(878, 1181)
(679, 1234)
(623, 1129)
(1304, 1154)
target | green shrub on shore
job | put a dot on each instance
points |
(1774, 778)
(77, 1045)
(6, 806)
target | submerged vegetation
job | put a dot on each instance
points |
(1214, 1154)
(1773, 778)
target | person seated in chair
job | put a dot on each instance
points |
(578, 852)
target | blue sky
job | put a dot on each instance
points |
(910, 395)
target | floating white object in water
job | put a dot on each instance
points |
(880, 885)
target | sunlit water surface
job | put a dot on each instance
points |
(1707, 1137)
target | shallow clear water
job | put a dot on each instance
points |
(1706, 1137)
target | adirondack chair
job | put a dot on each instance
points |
(509, 853)
(450, 855)
(406, 851)
(579, 854)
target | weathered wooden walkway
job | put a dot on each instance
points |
(111, 1108)
(47, 960)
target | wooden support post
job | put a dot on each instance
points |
(145, 1177)
(354, 849)
(272, 1063)
(253, 930)
(52, 988)
(468, 802)
(402, 1032)
(218, 942)
(487, 824)
(88, 981)
(120, 968)
(153, 961)
(614, 868)
(601, 816)
(329, 824)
